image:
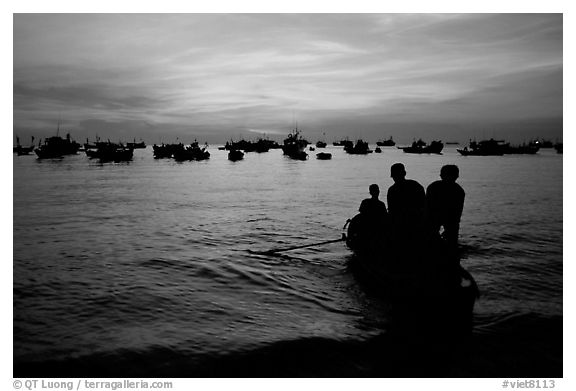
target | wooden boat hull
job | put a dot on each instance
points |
(419, 283)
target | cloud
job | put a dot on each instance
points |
(223, 72)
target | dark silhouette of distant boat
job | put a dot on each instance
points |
(22, 150)
(164, 151)
(190, 152)
(324, 156)
(360, 148)
(56, 147)
(421, 147)
(378, 150)
(320, 144)
(235, 154)
(110, 152)
(261, 145)
(294, 145)
(386, 143)
(485, 148)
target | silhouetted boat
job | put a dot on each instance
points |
(423, 284)
(485, 148)
(360, 148)
(22, 150)
(294, 146)
(378, 150)
(164, 151)
(261, 145)
(386, 143)
(56, 147)
(190, 152)
(235, 154)
(110, 152)
(421, 147)
(320, 144)
(324, 156)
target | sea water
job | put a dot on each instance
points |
(153, 260)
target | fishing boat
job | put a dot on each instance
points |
(386, 143)
(320, 144)
(323, 156)
(235, 154)
(110, 152)
(22, 150)
(422, 147)
(56, 147)
(261, 145)
(164, 151)
(360, 148)
(294, 145)
(191, 152)
(485, 148)
(378, 150)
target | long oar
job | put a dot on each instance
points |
(279, 250)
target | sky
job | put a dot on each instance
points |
(213, 77)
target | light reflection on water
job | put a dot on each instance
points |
(154, 253)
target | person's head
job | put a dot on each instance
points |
(374, 190)
(449, 173)
(397, 172)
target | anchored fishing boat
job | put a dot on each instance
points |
(386, 143)
(235, 154)
(421, 147)
(323, 156)
(56, 147)
(22, 150)
(191, 152)
(110, 152)
(485, 148)
(360, 148)
(294, 145)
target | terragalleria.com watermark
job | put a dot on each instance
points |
(83, 384)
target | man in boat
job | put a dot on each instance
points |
(368, 229)
(445, 200)
(373, 206)
(406, 207)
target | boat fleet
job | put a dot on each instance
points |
(294, 146)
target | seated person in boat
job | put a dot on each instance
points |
(368, 228)
(406, 208)
(445, 200)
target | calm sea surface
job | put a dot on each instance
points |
(123, 260)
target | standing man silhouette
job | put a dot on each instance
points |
(406, 207)
(445, 199)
